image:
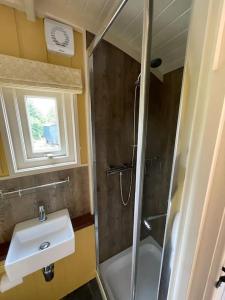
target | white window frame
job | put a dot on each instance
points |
(19, 95)
(16, 135)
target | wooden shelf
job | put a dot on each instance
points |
(78, 223)
(82, 221)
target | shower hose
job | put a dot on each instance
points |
(125, 202)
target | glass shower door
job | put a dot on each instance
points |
(160, 136)
(140, 280)
(130, 271)
(158, 115)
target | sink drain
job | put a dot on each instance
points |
(44, 245)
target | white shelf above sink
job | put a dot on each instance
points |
(25, 257)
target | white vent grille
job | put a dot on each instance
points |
(59, 37)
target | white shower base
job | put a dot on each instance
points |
(116, 272)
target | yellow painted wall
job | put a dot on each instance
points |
(25, 39)
(70, 273)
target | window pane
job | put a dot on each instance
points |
(43, 123)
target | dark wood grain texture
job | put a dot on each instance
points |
(4, 247)
(74, 196)
(114, 76)
(82, 221)
(163, 113)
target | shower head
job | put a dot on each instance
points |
(155, 63)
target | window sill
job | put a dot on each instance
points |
(42, 170)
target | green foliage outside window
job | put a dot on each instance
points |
(38, 120)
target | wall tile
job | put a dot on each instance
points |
(74, 196)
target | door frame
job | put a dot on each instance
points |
(204, 60)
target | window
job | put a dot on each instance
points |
(40, 129)
(42, 116)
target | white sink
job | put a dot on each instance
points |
(25, 257)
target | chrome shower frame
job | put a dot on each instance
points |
(142, 136)
(90, 56)
(142, 132)
(142, 128)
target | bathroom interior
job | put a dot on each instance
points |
(72, 80)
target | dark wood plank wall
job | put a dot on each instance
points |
(114, 76)
(163, 114)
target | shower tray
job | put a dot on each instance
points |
(116, 272)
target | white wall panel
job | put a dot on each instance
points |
(170, 25)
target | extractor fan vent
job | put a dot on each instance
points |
(59, 37)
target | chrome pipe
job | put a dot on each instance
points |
(155, 217)
(147, 221)
(118, 170)
(42, 214)
(142, 132)
(102, 33)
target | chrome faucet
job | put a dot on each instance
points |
(42, 214)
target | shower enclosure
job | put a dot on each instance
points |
(133, 121)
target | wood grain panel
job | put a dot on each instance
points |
(163, 112)
(114, 76)
(9, 40)
(23, 38)
(74, 196)
(58, 59)
(31, 39)
(78, 62)
(169, 17)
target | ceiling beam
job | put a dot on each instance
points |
(29, 8)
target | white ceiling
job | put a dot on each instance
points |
(170, 24)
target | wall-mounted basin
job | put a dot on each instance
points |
(36, 244)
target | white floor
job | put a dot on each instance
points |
(116, 272)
